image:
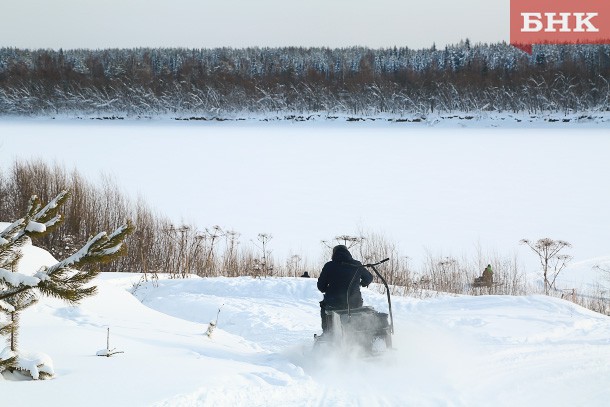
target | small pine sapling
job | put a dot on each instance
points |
(64, 280)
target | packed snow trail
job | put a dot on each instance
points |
(450, 351)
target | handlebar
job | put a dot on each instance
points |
(376, 264)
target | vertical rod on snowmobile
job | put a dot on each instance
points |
(387, 291)
(349, 289)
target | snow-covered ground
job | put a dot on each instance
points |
(447, 187)
(449, 351)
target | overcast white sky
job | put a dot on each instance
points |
(237, 23)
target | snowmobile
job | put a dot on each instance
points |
(481, 282)
(363, 327)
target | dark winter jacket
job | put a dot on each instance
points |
(336, 276)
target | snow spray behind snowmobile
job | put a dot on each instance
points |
(361, 327)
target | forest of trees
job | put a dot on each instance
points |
(237, 83)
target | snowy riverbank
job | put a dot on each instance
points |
(480, 119)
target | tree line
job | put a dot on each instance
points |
(230, 83)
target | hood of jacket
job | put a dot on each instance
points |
(341, 253)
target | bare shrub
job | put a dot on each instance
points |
(262, 266)
(444, 273)
(552, 262)
(374, 247)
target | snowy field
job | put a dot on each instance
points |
(449, 351)
(438, 188)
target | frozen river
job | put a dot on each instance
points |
(445, 190)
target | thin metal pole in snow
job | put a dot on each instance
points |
(218, 313)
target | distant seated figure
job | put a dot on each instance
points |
(486, 279)
(305, 275)
(488, 275)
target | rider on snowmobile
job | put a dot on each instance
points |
(335, 279)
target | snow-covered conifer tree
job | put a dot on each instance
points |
(62, 280)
